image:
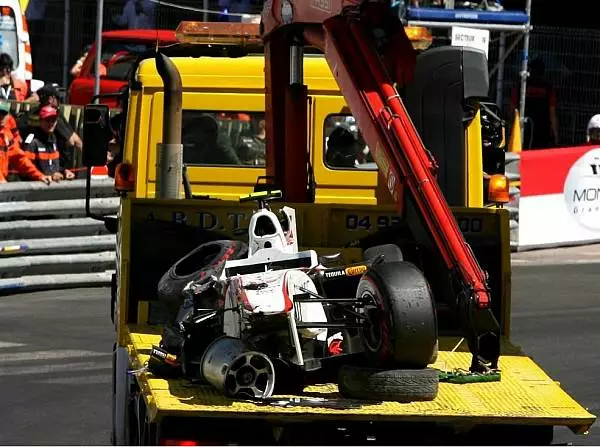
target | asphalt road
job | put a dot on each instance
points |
(55, 368)
(55, 364)
(555, 318)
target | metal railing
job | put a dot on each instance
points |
(572, 67)
(47, 242)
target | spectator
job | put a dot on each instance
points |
(76, 68)
(66, 137)
(10, 123)
(12, 156)
(11, 88)
(137, 14)
(42, 149)
(541, 128)
(593, 130)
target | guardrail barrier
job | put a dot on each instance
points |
(47, 242)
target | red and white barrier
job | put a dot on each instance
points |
(560, 197)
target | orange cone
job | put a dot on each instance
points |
(515, 144)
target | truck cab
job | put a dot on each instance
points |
(228, 92)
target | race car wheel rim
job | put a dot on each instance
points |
(372, 332)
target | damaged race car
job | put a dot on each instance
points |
(264, 318)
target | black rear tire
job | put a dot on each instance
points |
(206, 260)
(400, 385)
(401, 326)
(390, 253)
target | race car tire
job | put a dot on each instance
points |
(400, 385)
(434, 355)
(401, 326)
(390, 252)
(206, 260)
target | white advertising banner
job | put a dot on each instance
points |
(560, 196)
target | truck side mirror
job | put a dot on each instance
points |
(96, 134)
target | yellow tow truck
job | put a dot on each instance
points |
(212, 74)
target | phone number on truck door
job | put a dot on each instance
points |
(355, 222)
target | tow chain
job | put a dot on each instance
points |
(459, 375)
(463, 376)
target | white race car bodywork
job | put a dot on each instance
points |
(265, 231)
(267, 280)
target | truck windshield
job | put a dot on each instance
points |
(9, 42)
(223, 138)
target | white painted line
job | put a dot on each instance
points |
(56, 354)
(8, 344)
(534, 262)
(556, 313)
(49, 368)
(82, 380)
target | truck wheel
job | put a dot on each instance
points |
(206, 260)
(401, 327)
(390, 252)
(141, 432)
(400, 385)
(113, 433)
(121, 394)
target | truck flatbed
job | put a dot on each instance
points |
(526, 395)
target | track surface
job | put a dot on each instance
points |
(55, 363)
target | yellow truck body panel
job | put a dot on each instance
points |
(210, 86)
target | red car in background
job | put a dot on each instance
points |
(120, 50)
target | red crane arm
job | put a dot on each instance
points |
(366, 47)
(277, 13)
